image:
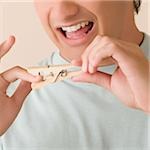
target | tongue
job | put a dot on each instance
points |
(78, 34)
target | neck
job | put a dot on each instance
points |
(131, 33)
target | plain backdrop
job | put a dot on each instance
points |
(18, 17)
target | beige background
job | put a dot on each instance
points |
(18, 17)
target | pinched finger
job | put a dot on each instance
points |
(85, 55)
(15, 73)
(91, 58)
(104, 57)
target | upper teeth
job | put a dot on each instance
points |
(75, 27)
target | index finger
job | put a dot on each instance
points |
(13, 74)
(6, 46)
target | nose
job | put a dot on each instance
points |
(64, 11)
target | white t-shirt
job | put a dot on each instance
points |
(76, 116)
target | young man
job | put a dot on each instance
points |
(107, 111)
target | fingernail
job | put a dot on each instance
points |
(10, 38)
(38, 78)
(91, 68)
(84, 68)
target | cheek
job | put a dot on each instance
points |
(93, 6)
(42, 9)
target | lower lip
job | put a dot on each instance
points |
(79, 41)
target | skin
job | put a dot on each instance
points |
(10, 106)
(110, 41)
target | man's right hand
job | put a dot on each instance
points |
(10, 106)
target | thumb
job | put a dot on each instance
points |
(21, 93)
(99, 78)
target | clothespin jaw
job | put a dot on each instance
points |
(52, 74)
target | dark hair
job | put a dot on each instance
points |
(137, 4)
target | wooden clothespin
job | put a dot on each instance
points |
(53, 73)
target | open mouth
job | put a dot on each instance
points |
(77, 31)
